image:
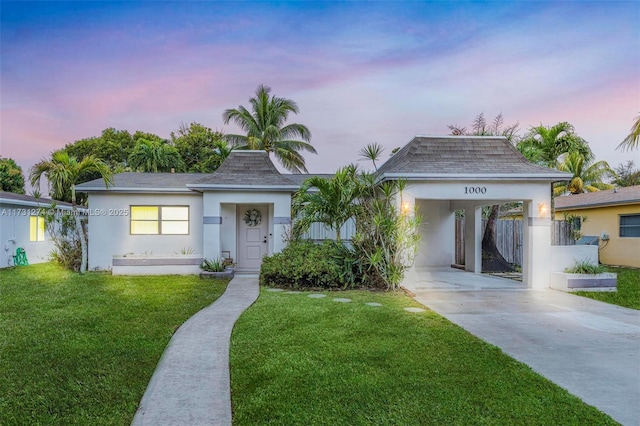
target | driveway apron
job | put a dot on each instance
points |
(191, 384)
(590, 348)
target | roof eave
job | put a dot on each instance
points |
(550, 177)
(227, 187)
(593, 205)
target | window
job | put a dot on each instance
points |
(630, 225)
(156, 220)
(36, 228)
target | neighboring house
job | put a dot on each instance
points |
(22, 226)
(613, 216)
(169, 222)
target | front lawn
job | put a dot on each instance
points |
(628, 294)
(80, 350)
(302, 361)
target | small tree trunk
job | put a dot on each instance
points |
(83, 242)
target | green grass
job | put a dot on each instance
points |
(301, 361)
(628, 294)
(80, 350)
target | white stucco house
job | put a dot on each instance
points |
(21, 225)
(169, 222)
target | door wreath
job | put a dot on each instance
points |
(253, 217)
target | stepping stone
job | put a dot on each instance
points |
(317, 296)
(292, 292)
(414, 309)
(342, 300)
(273, 290)
(373, 304)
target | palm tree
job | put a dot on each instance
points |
(265, 129)
(328, 201)
(372, 152)
(545, 145)
(62, 173)
(154, 156)
(632, 140)
(586, 177)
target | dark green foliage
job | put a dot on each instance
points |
(303, 264)
(201, 149)
(626, 175)
(61, 228)
(11, 177)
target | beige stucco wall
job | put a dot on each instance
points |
(617, 251)
(109, 227)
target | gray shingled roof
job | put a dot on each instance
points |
(434, 156)
(246, 169)
(152, 182)
(610, 197)
(8, 197)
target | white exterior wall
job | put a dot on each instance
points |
(471, 196)
(109, 230)
(14, 233)
(563, 257)
(437, 239)
(220, 228)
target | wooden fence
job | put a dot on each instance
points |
(509, 238)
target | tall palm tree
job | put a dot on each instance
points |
(266, 130)
(633, 139)
(328, 201)
(587, 177)
(545, 145)
(154, 156)
(62, 173)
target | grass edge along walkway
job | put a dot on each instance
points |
(80, 349)
(298, 360)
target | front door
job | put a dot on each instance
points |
(253, 240)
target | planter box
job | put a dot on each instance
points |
(227, 273)
(584, 282)
(133, 264)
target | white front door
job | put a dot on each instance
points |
(253, 242)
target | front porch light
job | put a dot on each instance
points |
(543, 210)
(406, 207)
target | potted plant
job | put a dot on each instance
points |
(215, 268)
(584, 276)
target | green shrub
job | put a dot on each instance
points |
(213, 265)
(306, 265)
(586, 267)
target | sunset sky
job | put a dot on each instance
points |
(360, 72)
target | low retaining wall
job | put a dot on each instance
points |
(563, 257)
(156, 265)
(584, 282)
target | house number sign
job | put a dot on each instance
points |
(475, 189)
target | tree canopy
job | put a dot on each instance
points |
(155, 156)
(545, 145)
(265, 129)
(11, 177)
(202, 149)
(587, 176)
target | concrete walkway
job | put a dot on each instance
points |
(590, 348)
(191, 384)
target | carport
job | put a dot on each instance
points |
(449, 173)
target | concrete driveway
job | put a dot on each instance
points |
(590, 348)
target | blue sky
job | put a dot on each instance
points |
(360, 72)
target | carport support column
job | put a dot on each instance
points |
(536, 245)
(473, 240)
